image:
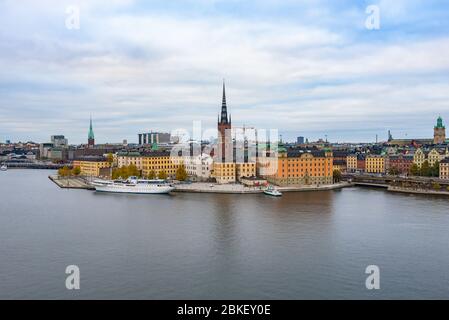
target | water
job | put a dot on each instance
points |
(205, 246)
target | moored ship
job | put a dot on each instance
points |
(133, 185)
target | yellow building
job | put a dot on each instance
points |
(245, 169)
(374, 164)
(224, 172)
(91, 167)
(156, 161)
(419, 157)
(303, 167)
(351, 163)
(444, 169)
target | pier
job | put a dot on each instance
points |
(71, 182)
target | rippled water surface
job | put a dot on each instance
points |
(206, 246)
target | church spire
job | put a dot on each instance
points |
(90, 136)
(224, 109)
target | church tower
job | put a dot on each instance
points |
(439, 132)
(224, 130)
(90, 136)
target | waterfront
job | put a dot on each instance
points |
(207, 246)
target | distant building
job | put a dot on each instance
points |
(92, 166)
(59, 141)
(439, 132)
(401, 163)
(300, 140)
(153, 137)
(351, 163)
(90, 136)
(375, 164)
(444, 169)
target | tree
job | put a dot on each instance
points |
(152, 175)
(414, 170)
(425, 169)
(64, 171)
(337, 175)
(181, 173)
(435, 169)
(76, 171)
(125, 172)
(162, 175)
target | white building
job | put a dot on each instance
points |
(199, 167)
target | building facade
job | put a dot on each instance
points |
(400, 164)
(303, 167)
(224, 172)
(154, 137)
(91, 166)
(351, 163)
(154, 161)
(374, 164)
(444, 169)
(245, 170)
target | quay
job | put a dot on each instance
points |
(71, 182)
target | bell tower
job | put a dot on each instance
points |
(439, 132)
(224, 129)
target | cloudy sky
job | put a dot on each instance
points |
(308, 68)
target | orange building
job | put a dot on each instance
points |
(303, 167)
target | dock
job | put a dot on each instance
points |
(71, 182)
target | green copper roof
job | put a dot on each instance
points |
(91, 131)
(440, 122)
(154, 147)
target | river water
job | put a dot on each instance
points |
(310, 245)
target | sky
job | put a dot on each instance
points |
(307, 68)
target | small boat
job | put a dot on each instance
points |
(133, 185)
(3, 167)
(272, 192)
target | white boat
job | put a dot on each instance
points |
(272, 192)
(3, 167)
(133, 185)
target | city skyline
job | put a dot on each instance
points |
(319, 72)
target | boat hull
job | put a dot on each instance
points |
(135, 189)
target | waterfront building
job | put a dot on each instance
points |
(154, 137)
(90, 135)
(92, 166)
(375, 164)
(439, 132)
(351, 162)
(152, 161)
(245, 170)
(339, 165)
(198, 167)
(444, 169)
(224, 172)
(401, 163)
(361, 162)
(303, 167)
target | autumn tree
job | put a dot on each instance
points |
(151, 175)
(337, 175)
(162, 175)
(181, 173)
(76, 171)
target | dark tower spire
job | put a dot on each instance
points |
(224, 110)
